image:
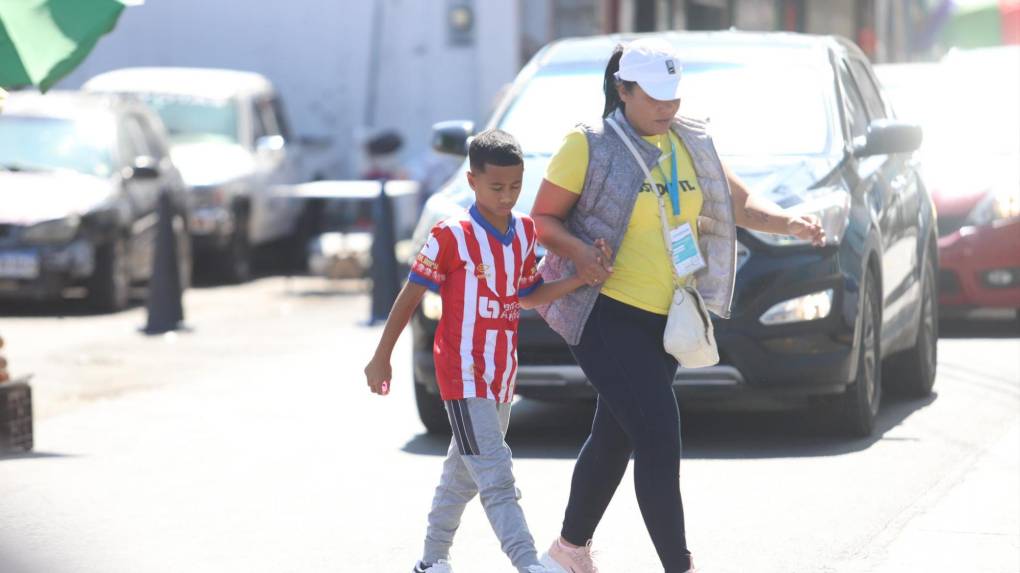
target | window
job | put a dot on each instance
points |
(134, 138)
(853, 103)
(869, 89)
(153, 140)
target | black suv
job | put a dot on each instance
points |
(802, 120)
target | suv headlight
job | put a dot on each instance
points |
(830, 204)
(999, 204)
(53, 232)
(814, 306)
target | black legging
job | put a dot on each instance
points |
(621, 353)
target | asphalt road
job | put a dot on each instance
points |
(251, 444)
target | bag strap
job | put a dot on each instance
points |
(677, 279)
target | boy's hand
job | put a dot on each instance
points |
(378, 373)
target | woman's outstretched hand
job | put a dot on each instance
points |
(808, 228)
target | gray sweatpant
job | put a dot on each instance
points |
(479, 462)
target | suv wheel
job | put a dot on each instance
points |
(431, 410)
(857, 409)
(912, 373)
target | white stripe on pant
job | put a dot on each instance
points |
(486, 469)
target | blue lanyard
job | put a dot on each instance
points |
(672, 184)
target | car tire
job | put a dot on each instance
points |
(235, 260)
(431, 410)
(857, 408)
(912, 373)
(110, 286)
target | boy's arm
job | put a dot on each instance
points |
(378, 372)
(550, 291)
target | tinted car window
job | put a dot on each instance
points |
(853, 103)
(872, 99)
(153, 141)
(260, 128)
(134, 139)
(281, 117)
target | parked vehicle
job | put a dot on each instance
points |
(341, 219)
(968, 105)
(81, 177)
(801, 120)
(229, 137)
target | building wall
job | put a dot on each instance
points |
(318, 54)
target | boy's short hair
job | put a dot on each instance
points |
(496, 147)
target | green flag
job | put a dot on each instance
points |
(41, 41)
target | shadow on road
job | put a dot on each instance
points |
(5, 456)
(542, 430)
(64, 308)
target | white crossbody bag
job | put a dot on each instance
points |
(689, 335)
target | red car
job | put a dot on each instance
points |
(971, 164)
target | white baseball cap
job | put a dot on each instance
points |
(653, 64)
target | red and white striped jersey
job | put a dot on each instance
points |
(479, 272)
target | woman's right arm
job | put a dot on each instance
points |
(552, 205)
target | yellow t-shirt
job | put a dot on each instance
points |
(642, 272)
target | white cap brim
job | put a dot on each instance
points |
(665, 90)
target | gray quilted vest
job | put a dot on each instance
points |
(603, 210)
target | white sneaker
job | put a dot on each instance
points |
(441, 566)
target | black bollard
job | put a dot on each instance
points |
(164, 307)
(384, 273)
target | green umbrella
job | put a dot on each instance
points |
(41, 41)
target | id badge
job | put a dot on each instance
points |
(686, 255)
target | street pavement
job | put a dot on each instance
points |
(250, 443)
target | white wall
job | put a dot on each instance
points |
(317, 53)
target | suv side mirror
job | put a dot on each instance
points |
(888, 136)
(145, 168)
(451, 137)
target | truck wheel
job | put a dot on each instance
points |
(110, 286)
(431, 410)
(235, 260)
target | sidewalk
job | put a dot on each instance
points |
(974, 527)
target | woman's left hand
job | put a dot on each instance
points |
(808, 228)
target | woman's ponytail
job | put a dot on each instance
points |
(609, 82)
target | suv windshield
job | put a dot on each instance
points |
(754, 108)
(45, 143)
(192, 119)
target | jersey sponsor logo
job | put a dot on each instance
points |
(488, 308)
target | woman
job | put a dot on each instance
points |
(595, 188)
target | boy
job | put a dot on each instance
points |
(482, 263)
